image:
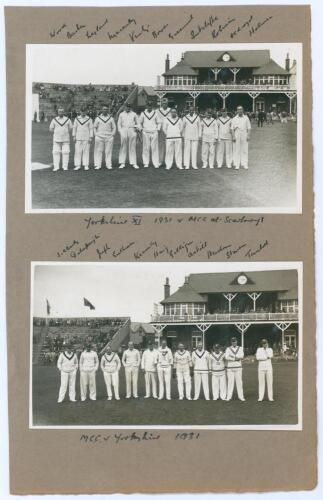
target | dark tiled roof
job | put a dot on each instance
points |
(146, 327)
(184, 294)
(272, 68)
(239, 58)
(181, 68)
(284, 281)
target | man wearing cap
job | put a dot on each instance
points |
(173, 127)
(224, 149)
(200, 361)
(104, 131)
(131, 363)
(182, 365)
(218, 373)
(209, 136)
(191, 134)
(110, 366)
(162, 113)
(67, 364)
(61, 127)
(264, 356)
(164, 370)
(150, 125)
(82, 135)
(128, 127)
(233, 355)
(89, 363)
(240, 127)
(149, 366)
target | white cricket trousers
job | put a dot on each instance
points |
(240, 149)
(87, 380)
(128, 139)
(219, 385)
(82, 153)
(224, 152)
(164, 378)
(61, 149)
(103, 146)
(184, 378)
(150, 143)
(67, 380)
(161, 146)
(201, 377)
(208, 153)
(190, 152)
(131, 381)
(263, 377)
(234, 377)
(173, 150)
(112, 380)
(150, 379)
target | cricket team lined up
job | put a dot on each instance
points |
(166, 138)
(225, 367)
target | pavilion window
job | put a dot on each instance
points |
(196, 338)
(289, 306)
(184, 81)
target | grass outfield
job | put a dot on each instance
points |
(270, 180)
(142, 411)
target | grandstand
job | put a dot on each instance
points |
(49, 335)
(73, 97)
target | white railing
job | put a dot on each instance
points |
(226, 87)
(221, 317)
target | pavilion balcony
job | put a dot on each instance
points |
(228, 87)
(226, 317)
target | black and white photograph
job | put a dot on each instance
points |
(176, 345)
(159, 127)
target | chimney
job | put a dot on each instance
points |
(167, 63)
(166, 289)
(287, 63)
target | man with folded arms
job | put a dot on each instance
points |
(182, 365)
(89, 363)
(234, 355)
(149, 366)
(264, 356)
(164, 370)
(200, 361)
(67, 364)
(131, 363)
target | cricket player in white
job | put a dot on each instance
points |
(110, 366)
(131, 363)
(173, 127)
(224, 149)
(164, 369)
(162, 113)
(218, 373)
(182, 365)
(209, 136)
(264, 356)
(104, 131)
(233, 355)
(61, 127)
(149, 366)
(89, 363)
(128, 126)
(150, 125)
(67, 364)
(82, 135)
(191, 134)
(240, 126)
(200, 361)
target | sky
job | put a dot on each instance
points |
(122, 64)
(117, 289)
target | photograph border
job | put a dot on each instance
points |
(247, 266)
(297, 209)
